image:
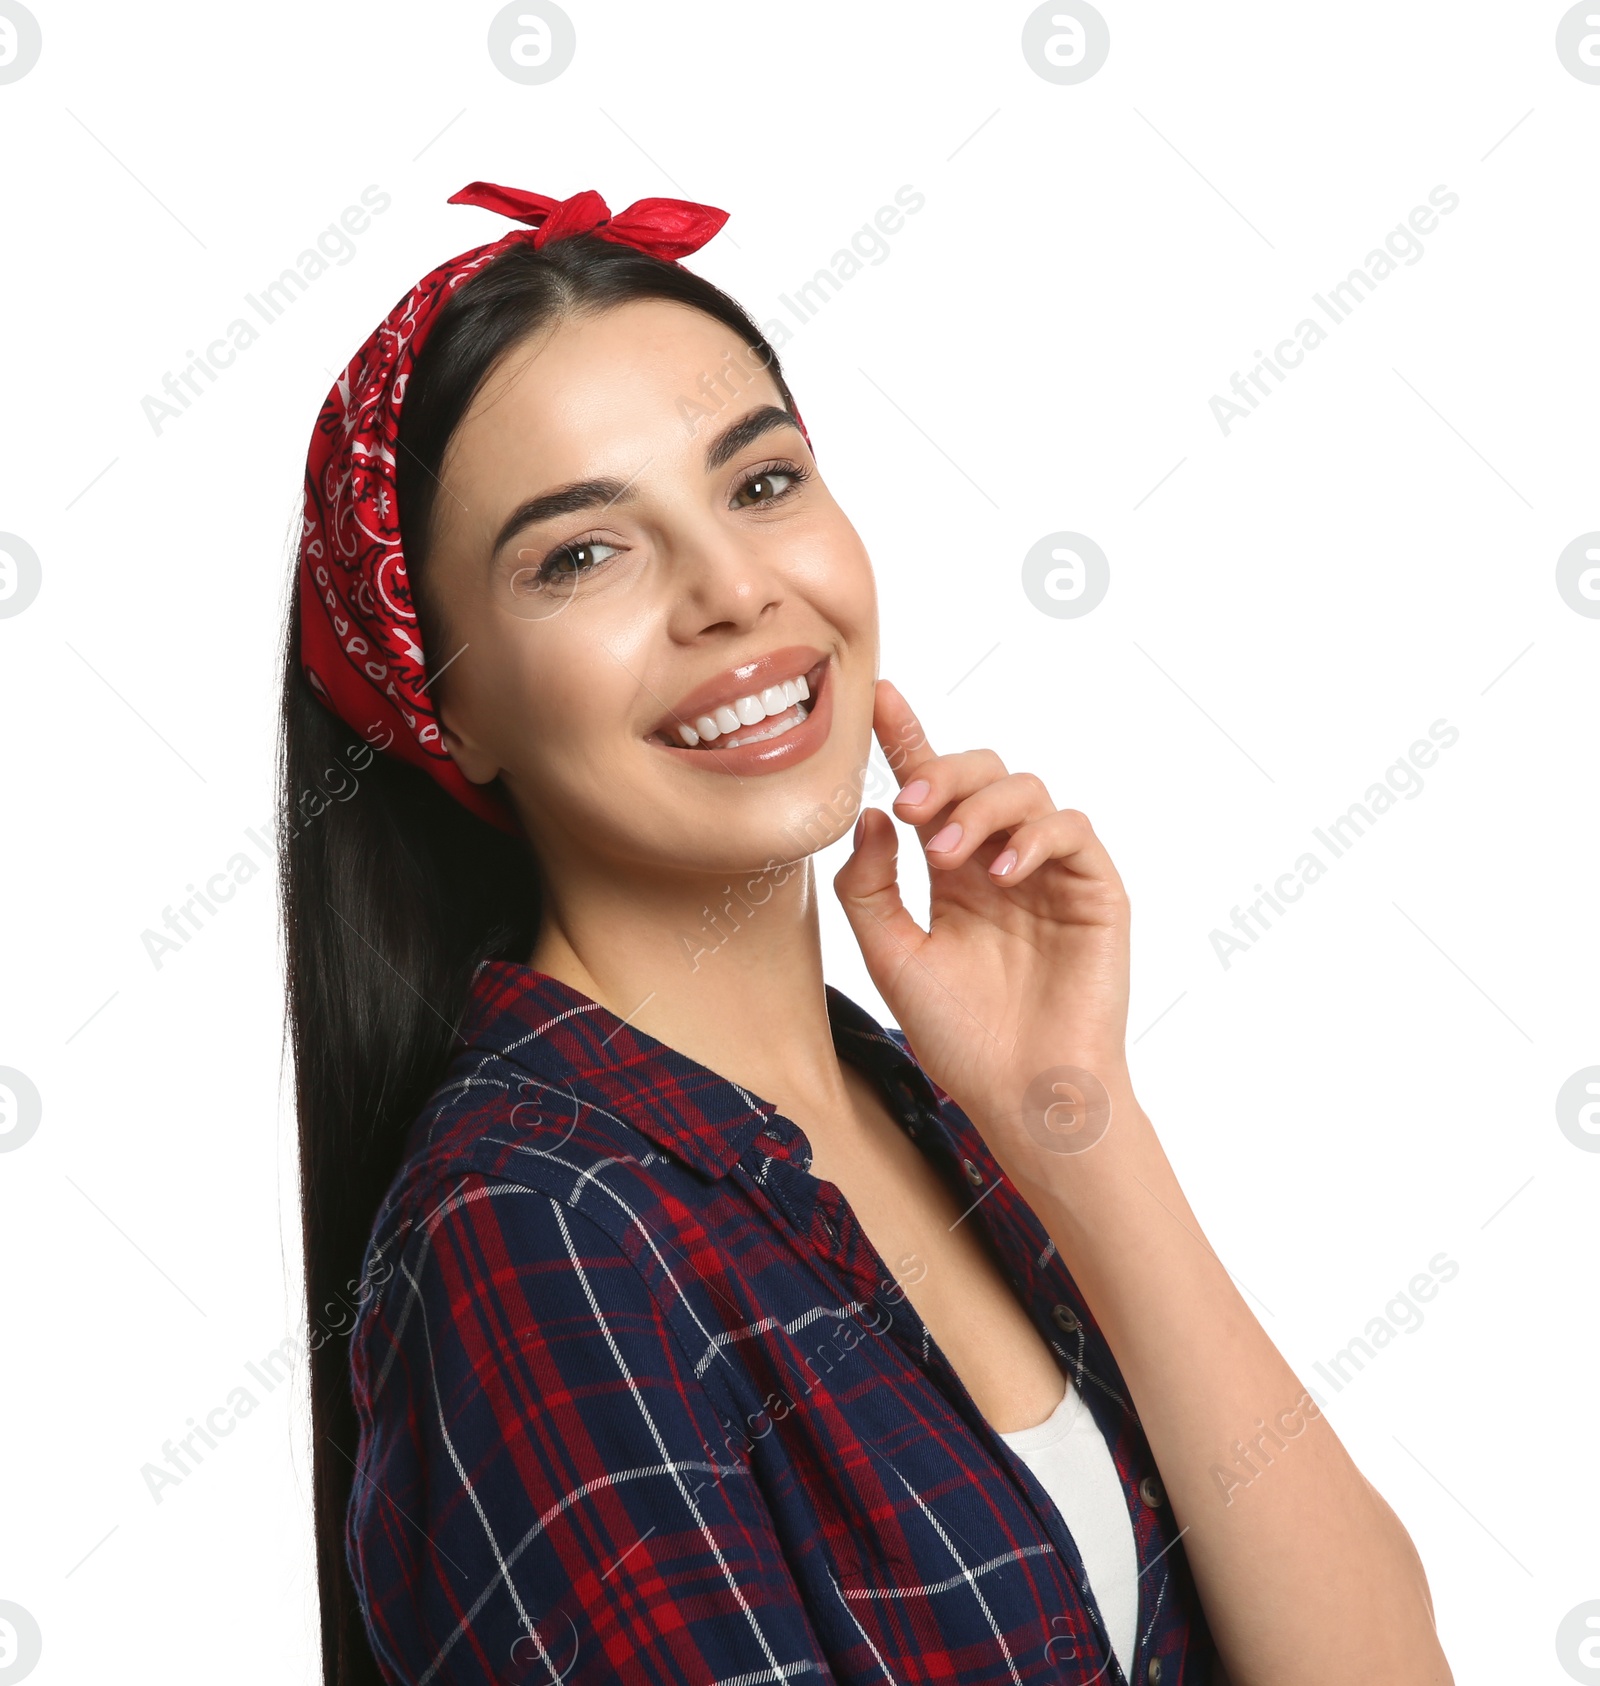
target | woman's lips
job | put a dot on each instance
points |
(768, 745)
(741, 684)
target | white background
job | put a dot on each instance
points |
(1372, 550)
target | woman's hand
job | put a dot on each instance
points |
(1024, 966)
(1022, 972)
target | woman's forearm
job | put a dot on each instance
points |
(1306, 1575)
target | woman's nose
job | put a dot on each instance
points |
(719, 582)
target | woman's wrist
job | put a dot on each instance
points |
(1086, 1156)
(1061, 1115)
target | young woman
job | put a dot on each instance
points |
(700, 1328)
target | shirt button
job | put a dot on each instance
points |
(1150, 1491)
(1153, 1672)
(1067, 1319)
(974, 1175)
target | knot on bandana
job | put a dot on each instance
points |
(665, 228)
(360, 644)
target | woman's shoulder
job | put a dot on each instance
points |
(500, 1122)
(547, 1091)
(511, 1179)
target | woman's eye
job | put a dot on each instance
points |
(766, 487)
(573, 559)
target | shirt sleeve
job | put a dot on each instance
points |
(544, 1490)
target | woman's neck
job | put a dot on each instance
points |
(729, 974)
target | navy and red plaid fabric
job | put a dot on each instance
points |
(639, 1401)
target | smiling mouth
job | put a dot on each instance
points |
(758, 717)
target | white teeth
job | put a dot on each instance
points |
(770, 728)
(774, 700)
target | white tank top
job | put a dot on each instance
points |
(1069, 1457)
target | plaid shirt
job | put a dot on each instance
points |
(639, 1401)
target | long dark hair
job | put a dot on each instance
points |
(392, 892)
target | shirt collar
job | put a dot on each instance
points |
(562, 1037)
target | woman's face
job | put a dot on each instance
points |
(653, 619)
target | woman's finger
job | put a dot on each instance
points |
(905, 745)
(972, 793)
(869, 892)
(1065, 835)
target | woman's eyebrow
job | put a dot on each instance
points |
(732, 440)
(564, 500)
(601, 494)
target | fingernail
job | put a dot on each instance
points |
(946, 840)
(1003, 863)
(861, 826)
(915, 792)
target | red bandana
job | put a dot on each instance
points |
(359, 642)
